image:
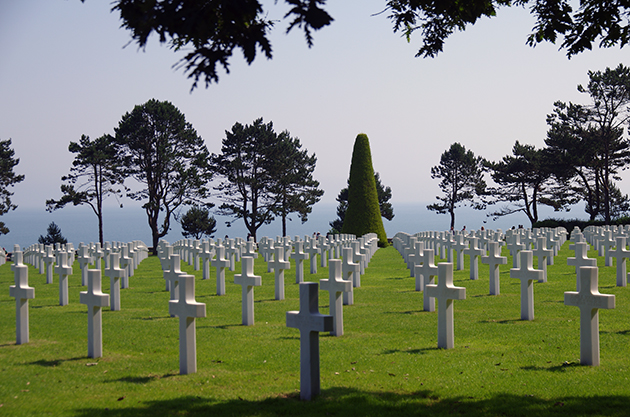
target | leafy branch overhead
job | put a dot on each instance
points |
(210, 31)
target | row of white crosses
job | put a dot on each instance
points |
(587, 297)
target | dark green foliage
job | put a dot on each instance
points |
(8, 178)
(525, 180)
(294, 186)
(461, 175)
(54, 235)
(97, 167)
(603, 22)
(212, 31)
(197, 222)
(264, 175)
(384, 195)
(589, 144)
(363, 214)
(163, 152)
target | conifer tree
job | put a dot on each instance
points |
(363, 215)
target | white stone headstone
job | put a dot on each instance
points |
(22, 293)
(220, 263)
(581, 259)
(445, 292)
(493, 260)
(187, 309)
(95, 300)
(279, 265)
(63, 269)
(336, 286)
(527, 274)
(247, 280)
(115, 273)
(589, 300)
(310, 322)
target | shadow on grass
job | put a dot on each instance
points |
(414, 351)
(555, 368)
(505, 321)
(55, 362)
(352, 402)
(222, 326)
(142, 379)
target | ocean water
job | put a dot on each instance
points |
(79, 224)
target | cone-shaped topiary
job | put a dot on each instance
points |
(363, 214)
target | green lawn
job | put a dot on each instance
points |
(387, 363)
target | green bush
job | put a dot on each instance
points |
(363, 215)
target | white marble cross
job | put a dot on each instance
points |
(589, 300)
(22, 293)
(351, 272)
(97, 255)
(84, 262)
(126, 263)
(608, 243)
(458, 246)
(49, 262)
(115, 273)
(310, 322)
(206, 254)
(515, 246)
(279, 265)
(95, 300)
(427, 269)
(220, 263)
(474, 252)
(173, 275)
(312, 250)
(445, 293)
(425, 275)
(543, 255)
(247, 280)
(299, 256)
(63, 269)
(621, 254)
(527, 274)
(580, 260)
(493, 260)
(187, 309)
(335, 285)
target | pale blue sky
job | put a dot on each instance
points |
(64, 72)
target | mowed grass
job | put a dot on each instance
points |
(386, 363)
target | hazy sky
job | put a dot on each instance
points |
(65, 71)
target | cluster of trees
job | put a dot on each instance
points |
(260, 174)
(586, 147)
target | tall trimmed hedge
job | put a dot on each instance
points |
(363, 215)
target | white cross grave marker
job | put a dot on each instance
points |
(84, 262)
(49, 262)
(425, 275)
(493, 260)
(299, 256)
(580, 260)
(248, 281)
(279, 265)
(335, 285)
(474, 252)
(63, 269)
(220, 263)
(589, 300)
(114, 272)
(621, 254)
(458, 246)
(445, 293)
(187, 309)
(527, 274)
(310, 322)
(543, 255)
(22, 293)
(350, 271)
(95, 300)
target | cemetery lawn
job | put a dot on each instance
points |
(386, 363)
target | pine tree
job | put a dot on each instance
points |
(363, 215)
(54, 235)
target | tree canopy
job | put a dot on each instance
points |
(163, 153)
(363, 215)
(53, 235)
(212, 31)
(384, 195)
(461, 180)
(197, 222)
(8, 179)
(264, 174)
(95, 172)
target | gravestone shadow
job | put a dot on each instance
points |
(344, 401)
